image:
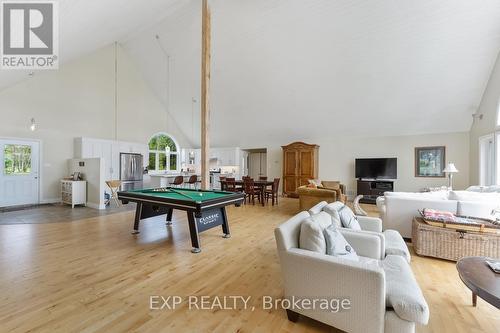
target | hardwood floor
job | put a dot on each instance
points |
(94, 276)
(56, 213)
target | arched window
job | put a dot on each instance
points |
(163, 153)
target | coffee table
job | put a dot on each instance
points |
(480, 279)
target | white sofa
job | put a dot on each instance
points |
(383, 294)
(397, 209)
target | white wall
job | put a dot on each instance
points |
(488, 108)
(337, 155)
(78, 100)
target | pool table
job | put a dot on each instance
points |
(205, 209)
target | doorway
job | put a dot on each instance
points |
(257, 163)
(19, 172)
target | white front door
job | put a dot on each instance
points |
(19, 172)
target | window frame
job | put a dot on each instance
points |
(497, 123)
(157, 153)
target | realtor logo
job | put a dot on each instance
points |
(29, 36)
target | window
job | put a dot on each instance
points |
(17, 159)
(498, 114)
(163, 153)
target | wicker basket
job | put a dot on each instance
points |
(452, 244)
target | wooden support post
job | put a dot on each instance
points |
(205, 95)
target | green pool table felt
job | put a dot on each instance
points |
(193, 194)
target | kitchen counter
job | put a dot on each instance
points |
(163, 180)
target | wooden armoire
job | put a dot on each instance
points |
(300, 163)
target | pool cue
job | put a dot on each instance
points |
(180, 193)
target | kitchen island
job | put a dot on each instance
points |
(164, 180)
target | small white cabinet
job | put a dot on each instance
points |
(74, 192)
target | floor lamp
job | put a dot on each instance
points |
(450, 170)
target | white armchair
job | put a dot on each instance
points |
(374, 305)
(391, 242)
(368, 223)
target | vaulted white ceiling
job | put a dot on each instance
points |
(294, 69)
(87, 25)
(289, 69)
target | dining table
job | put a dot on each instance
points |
(262, 184)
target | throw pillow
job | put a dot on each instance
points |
(346, 215)
(315, 182)
(348, 219)
(334, 215)
(337, 246)
(331, 185)
(311, 233)
(474, 196)
(336, 205)
(323, 219)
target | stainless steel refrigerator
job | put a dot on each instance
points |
(131, 170)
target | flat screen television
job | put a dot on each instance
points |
(377, 168)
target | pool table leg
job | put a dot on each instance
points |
(169, 216)
(193, 231)
(138, 213)
(225, 225)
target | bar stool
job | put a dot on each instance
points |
(178, 180)
(114, 186)
(193, 181)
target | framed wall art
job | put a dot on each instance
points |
(430, 161)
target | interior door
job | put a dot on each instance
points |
(254, 165)
(263, 164)
(19, 172)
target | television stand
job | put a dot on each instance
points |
(372, 189)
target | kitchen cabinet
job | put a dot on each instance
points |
(227, 156)
(110, 151)
(219, 158)
(185, 158)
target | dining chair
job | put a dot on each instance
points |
(251, 191)
(273, 192)
(222, 182)
(230, 185)
(262, 178)
(114, 186)
(241, 187)
(193, 181)
(178, 180)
